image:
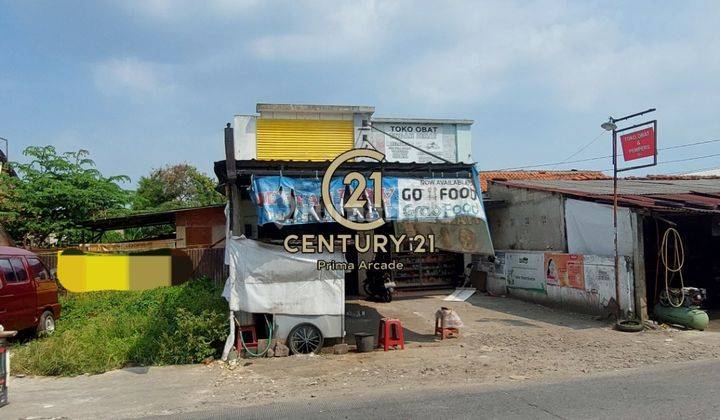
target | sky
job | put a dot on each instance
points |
(143, 84)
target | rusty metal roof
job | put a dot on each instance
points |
(486, 176)
(665, 194)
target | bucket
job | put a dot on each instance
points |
(364, 342)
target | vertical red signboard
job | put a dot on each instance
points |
(638, 144)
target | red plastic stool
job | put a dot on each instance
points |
(390, 333)
(238, 334)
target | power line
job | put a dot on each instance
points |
(706, 168)
(678, 160)
(607, 157)
(584, 147)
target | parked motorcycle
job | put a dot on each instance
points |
(379, 285)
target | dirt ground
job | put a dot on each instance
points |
(504, 340)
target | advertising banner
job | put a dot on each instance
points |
(525, 271)
(564, 270)
(638, 144)
(464, 234)
(285, 200)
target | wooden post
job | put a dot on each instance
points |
(639, 269)
(235, 213)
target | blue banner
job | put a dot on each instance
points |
(284, 200)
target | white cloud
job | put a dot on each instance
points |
(577, 56)
(174, 10)
(330, 30)
(131, 76)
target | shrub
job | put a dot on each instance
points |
(101, 331)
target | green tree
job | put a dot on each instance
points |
(175, 186)
(53, 193)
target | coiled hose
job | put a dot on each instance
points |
(674, 266)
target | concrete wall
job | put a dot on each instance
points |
(529, 220)
(244, 133)
(521, 274)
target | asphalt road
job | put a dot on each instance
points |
(687, 390)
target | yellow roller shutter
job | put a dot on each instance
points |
(303, 139)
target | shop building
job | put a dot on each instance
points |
(555, 241)
(293, 144)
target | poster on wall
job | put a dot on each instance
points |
(564, 270)
(525, 271)
(438, 139)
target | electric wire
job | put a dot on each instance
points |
(584, 147)
(678, 146)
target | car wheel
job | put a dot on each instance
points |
(305, 338)
(46, 326)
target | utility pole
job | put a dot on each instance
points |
(611, 125)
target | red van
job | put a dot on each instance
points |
(28, 292)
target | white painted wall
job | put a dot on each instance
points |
(464, 143)
(245, 140)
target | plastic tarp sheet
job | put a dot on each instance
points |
(589, 228)
(265, 278)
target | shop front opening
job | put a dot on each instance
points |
(698, 249)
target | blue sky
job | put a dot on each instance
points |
(145, 83)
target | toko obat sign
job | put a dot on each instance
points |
(284, 200)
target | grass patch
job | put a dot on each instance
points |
(101, 331)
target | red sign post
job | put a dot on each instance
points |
(638, 144)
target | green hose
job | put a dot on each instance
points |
(269, 341)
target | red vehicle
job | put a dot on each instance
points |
(28, 292)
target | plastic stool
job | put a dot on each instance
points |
(390, 333)
(238, 334)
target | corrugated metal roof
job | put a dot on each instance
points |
(669, 194)
(486, 176)
(629, 186)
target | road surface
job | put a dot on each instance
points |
(683, 390)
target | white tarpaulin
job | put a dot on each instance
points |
(265, 278)
(589, 228)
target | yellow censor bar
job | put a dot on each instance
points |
(94, 272)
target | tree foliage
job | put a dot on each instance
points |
(175, 186)
(53, 193)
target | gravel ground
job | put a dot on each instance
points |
(504, 340)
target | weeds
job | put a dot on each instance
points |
(101, 331)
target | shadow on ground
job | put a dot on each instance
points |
(533, 313)
(361, 318)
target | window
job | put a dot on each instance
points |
(7, 271)
(19, 267)
(37, 270)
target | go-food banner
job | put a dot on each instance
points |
(286, 200)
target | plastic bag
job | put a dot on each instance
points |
(450, 317)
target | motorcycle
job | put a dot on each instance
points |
(379, 285)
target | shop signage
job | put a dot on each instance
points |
(638, 144)
(438, 139)
(289, 201)
(450, 207)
